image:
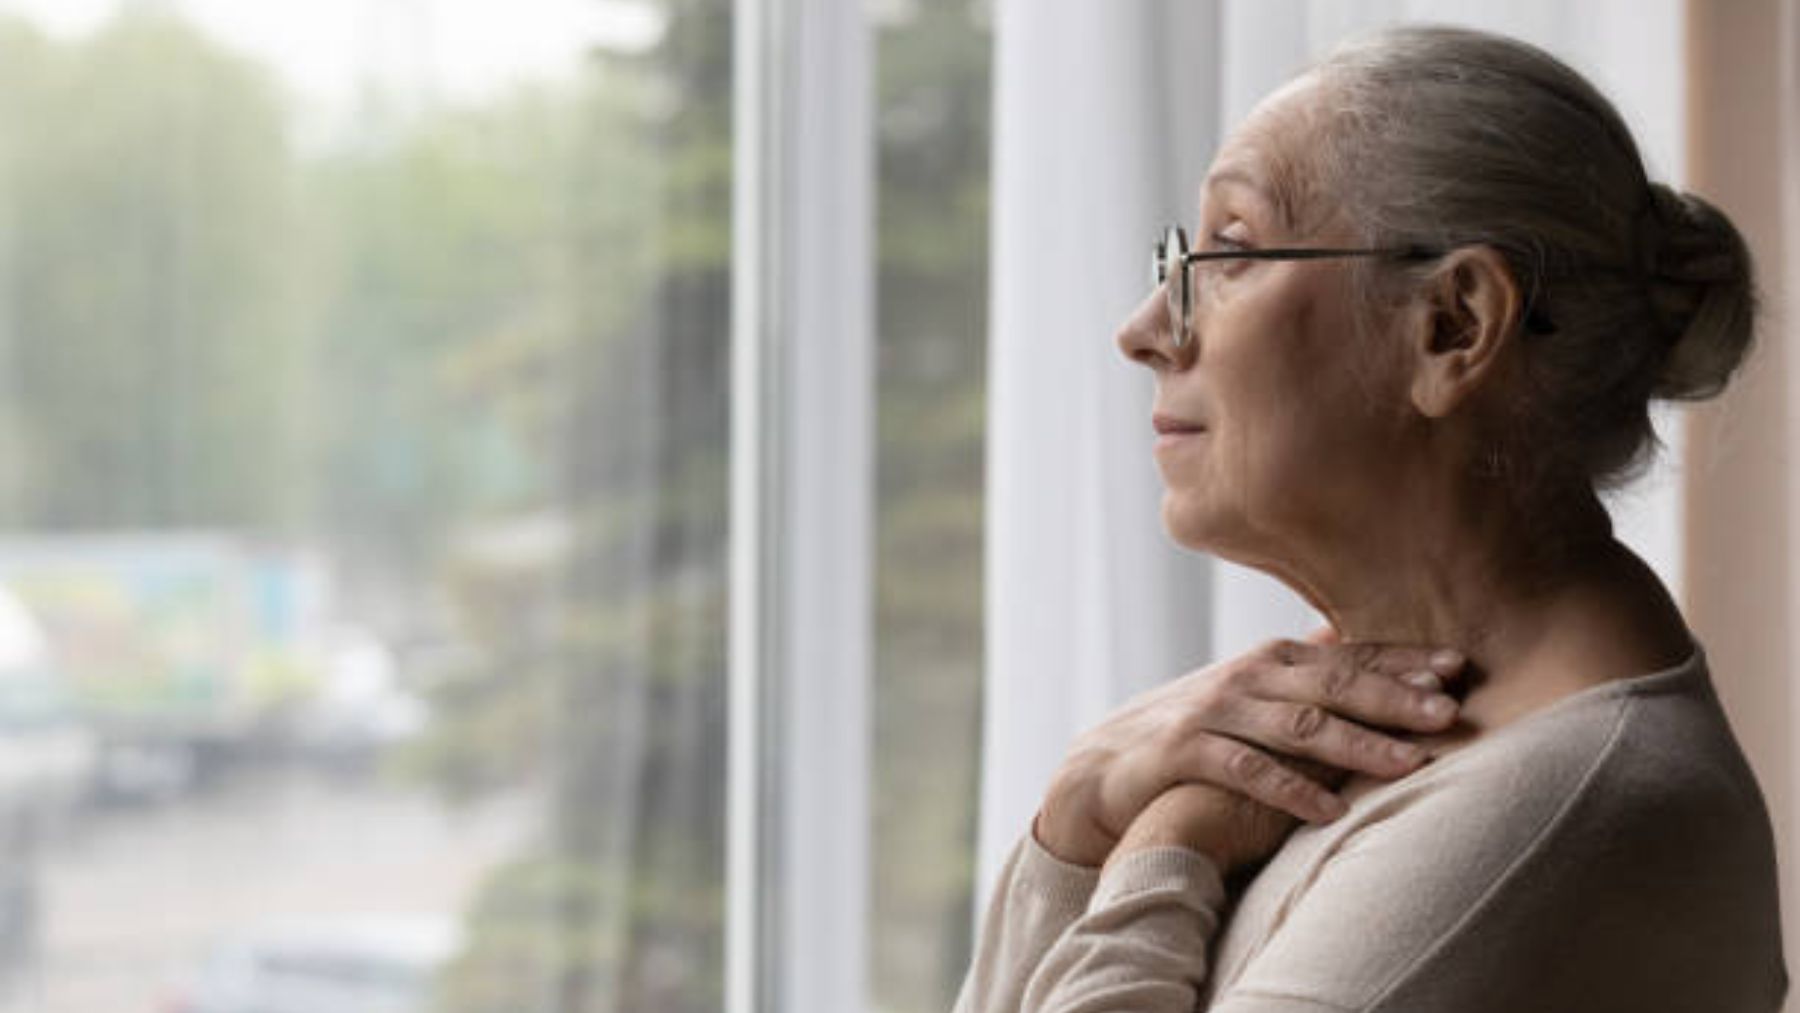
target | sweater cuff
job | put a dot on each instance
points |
(1064, 886)
(1156, 869)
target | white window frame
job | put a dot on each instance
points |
(802, 466)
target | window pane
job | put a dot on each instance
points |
(932, 175)
(363, 499)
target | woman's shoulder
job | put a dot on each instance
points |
(1632, 822)
(1651, 741)
(1633, 795)
(1552, 751)
(1643, 773)
(1612, 826)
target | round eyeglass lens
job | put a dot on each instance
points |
(1174, 271)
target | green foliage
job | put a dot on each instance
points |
(152, 325)
(551, 933)
(933, 100)
(466, 290)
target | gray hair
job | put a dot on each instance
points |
(1444, 137)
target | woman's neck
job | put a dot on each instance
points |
(1538, 615)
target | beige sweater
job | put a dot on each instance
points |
(1609, 852)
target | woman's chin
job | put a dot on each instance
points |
(1189, 524)
(1209, 527)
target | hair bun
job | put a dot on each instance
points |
(1699, 285)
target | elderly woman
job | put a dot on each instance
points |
(1433, 295)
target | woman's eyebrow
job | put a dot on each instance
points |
(1232, 175)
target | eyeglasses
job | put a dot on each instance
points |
(1172, 257)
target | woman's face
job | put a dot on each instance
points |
(1295, 440)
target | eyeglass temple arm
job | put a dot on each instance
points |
(1311, 253)
(1535, 318)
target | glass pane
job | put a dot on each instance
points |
(933, 96)
(363, 499)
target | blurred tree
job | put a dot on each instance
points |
(623, 905)
(456, 299)
(932, 107)
(633, 713)
(153, 324)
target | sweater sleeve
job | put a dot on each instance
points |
(1141, 945)
(1035, 898)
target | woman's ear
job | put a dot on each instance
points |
(1470, 313)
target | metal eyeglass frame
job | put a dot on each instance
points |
(1172, 257)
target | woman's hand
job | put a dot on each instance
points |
(1224, 825)
(1218, 726)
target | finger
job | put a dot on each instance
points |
(1323, 646)
(1310, 731)
(1427, 681)
(1358, 693)
(1392, 659)
(1242, 767)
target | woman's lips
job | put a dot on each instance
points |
(1171, 424)
(1171, 431)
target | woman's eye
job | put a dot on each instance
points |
(1222, 241)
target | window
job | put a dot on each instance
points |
(366, 471)
(363, 471)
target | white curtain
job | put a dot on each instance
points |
(1106, 115)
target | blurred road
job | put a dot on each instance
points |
(134, 896)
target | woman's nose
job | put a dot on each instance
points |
(1145, 336)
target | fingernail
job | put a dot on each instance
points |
(1406, 753)
(1440, 707)
(1446, 661)
(1427, 681)
(1334, 807)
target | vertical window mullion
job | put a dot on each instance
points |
(802, 460)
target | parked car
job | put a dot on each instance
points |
(326, 964)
